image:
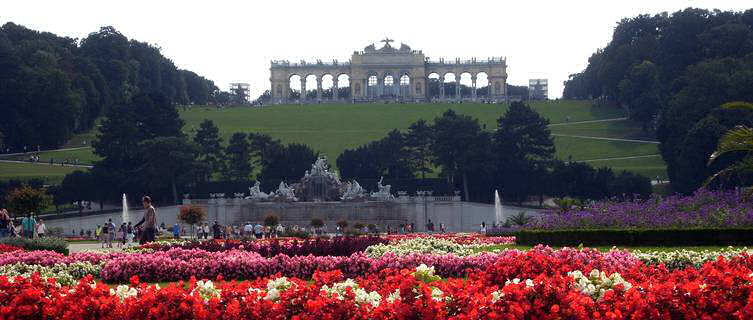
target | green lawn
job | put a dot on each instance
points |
(25, 171)
(330, 128)
(588, 149)
(650, 167)
(622, 129)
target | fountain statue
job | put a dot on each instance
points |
(124, 215)
(353, 192)
(255, 193)
(384, 191)
(283, 193)
(319, 184)
(498, 217)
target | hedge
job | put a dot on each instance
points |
(637, 237)
(45, 243)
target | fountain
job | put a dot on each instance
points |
(124, 215)
(498, 218)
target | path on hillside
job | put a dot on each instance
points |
(51, 150)
(48, 164)
(602, 138)
(621, 158)
(587, 121)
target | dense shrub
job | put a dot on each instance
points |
(637, 237)
(337, 246)
(48, 243)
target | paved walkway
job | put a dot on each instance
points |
(48, 164)
(587, 121)
(622, 158)
(602, 138)
(78, 247)
(51, 150)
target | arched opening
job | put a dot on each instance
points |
(294, 84)
(449, 85)
(372, 83)
(311, 86)
(405, 85)
(466, 85)
(327, 84)
(482, 85)
(432, 87)
(343, 86)
(388, 90)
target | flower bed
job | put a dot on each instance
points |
(704, 209)
(459, 238)
(539, 284)
(337, 246)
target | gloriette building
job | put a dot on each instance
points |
(389, 74)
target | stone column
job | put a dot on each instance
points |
(441, 87)
(303, 90)
(380, 86)
(334, 89)
(473, 87)
(457, 87)
(318, 88)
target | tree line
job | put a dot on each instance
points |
(145, 151)
(517, 158)
(673, 72)
(52, 87)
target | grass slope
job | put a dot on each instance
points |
(331, 128)
(25, 171)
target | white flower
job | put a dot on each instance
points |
(497, 295)
(124, 292)
(436, 294)
(395, 296)
(529, 283)
(276, 286)
(206, 290)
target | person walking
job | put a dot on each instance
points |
(122, 235)
(29, 226)
(258, 230)
(149, 221)
(129, 234)
(216, 229)
(5, 223)
(41, 228)
(176, 231)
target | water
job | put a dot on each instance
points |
(498, 218)
(124, 216)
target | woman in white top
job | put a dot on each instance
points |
(41, 228)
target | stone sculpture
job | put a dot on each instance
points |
(284, 193)
(255, 193)
(384, 191)
(353, 192)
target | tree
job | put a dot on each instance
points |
(238, 165)
(167, 161)
(640, 90)
(27, 200)
(523, 150)
(317, 223)
(459, 146)
(382, 158)
(147, 117)
(210, 151)
(271, 220)
(418, 142)
(191, 215)
(287, 163)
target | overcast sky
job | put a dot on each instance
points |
(234, 41)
